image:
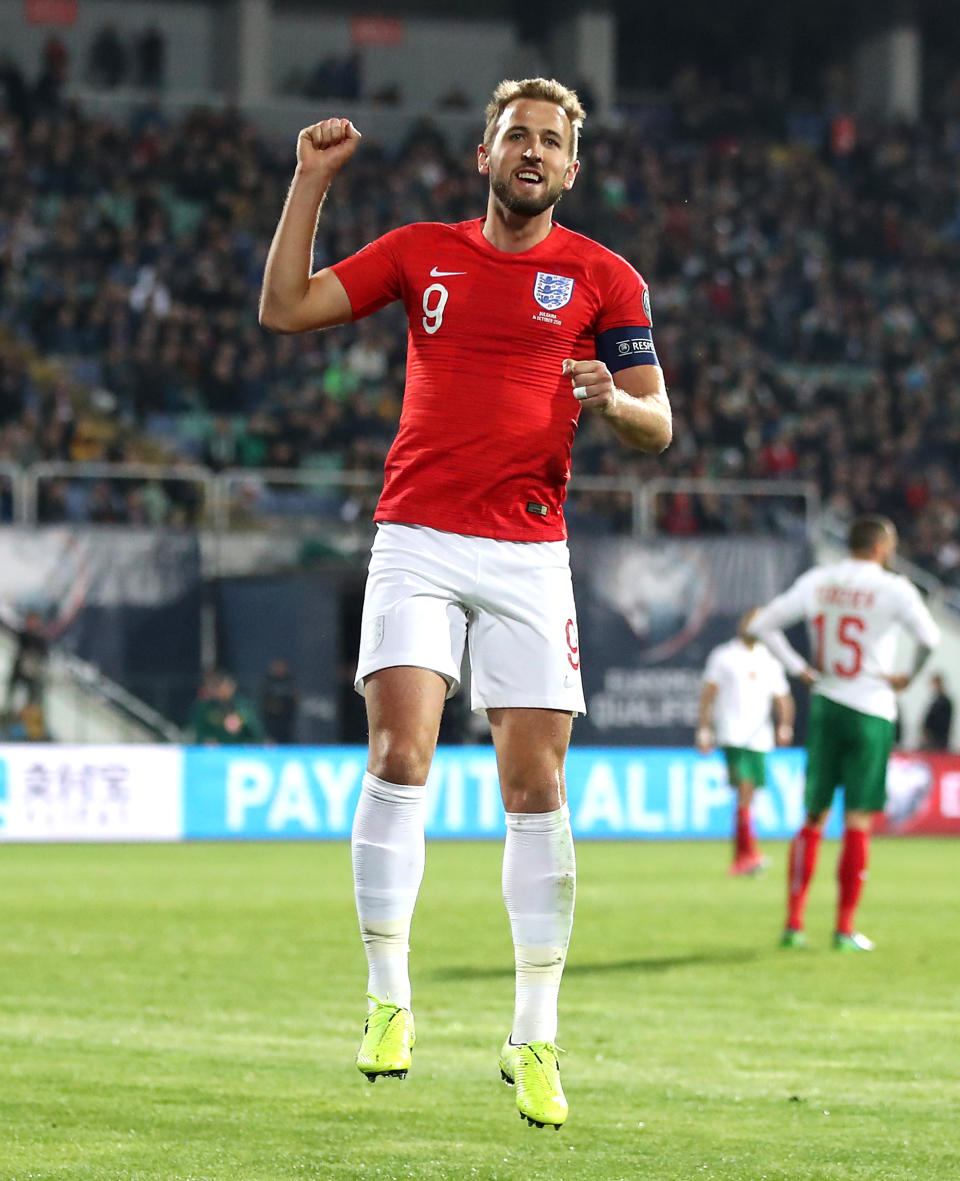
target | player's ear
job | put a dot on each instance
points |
(571, 174)
(483, 160)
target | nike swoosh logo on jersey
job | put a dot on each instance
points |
(435, 274)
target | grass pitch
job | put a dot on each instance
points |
(191, 1013)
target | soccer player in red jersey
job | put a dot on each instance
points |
(515, 326)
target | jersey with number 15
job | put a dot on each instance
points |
(854, 610)
(488, 420)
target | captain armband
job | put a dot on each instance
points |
(622, 348)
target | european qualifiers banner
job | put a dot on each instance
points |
(650, 612)
(923, 795)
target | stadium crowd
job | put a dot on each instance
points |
(802, 267)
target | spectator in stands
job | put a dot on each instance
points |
(15, 92)
(30, 725)
(26, 682)
(221, 449)
(52, 502)
(108, 58)
(221, 717)
(105, 505)
(335, 77)
(54, 67)
(938, 719)
(455, 99)
(55, 59)
(150, 55)
(279, 702)
(809, 329)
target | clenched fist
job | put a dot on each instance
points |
(325, 147)
(592, 384)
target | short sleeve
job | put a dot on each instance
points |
(916, 617)
(711, 671)
(626, 297)
(373, 277)
(786, 609)
(778, 678)
(624, 327)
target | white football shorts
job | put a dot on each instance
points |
(429, 592)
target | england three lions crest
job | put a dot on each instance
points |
(552, 292)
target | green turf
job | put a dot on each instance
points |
(191, 1013)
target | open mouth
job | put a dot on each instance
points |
(529, 176)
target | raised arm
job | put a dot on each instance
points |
(293, 300)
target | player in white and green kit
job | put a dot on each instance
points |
(743, 690)
(853, 610)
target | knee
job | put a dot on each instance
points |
(531, 800)
(532, 792)
(399, 759)
(858, 821)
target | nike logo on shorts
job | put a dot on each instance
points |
(435, 274)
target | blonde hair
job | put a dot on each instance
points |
(545, 89)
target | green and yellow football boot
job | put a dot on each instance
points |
(508, 1062)
(533, 1069)
(388, 1039)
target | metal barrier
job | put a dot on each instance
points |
(276, 497)
(328, 513)
(11, 490)
(803, 493)
(340, 504)
(73, 493)
(332, 510)
(245, 495)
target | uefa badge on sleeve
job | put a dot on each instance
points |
(552, 292)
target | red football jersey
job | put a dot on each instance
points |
(488, 420)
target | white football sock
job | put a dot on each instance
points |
(388, 857)
(539, 886)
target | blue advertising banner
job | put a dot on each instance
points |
(52, 792)
(294, 793)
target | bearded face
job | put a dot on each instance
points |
(529, 158)
(529, 200)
